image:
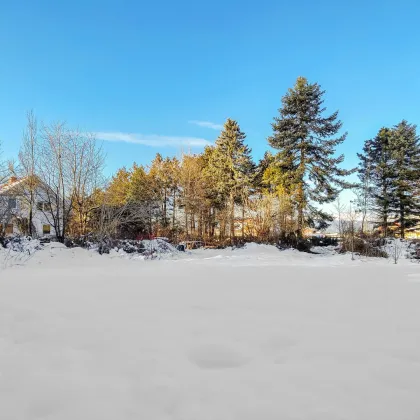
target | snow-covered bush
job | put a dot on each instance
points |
(413, 250)
(17, 250)
(149, 248)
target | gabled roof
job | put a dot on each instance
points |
(14, 183)
(11, 184)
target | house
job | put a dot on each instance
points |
(413, 232)
(15, 208)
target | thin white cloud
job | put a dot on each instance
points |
(207, 124)
(152, 140)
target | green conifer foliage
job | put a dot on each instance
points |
(231, 167)
(304, 138)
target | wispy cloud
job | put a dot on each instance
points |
(207, 124)
(152, 140)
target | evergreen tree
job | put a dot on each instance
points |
(173, 168)
(260, 170)
(406, 164)
(145, 194)
(303, 137)
(377, 174)
(119, 187)
(389, 170)
(231, 166)
(196, 196)
(160, 172)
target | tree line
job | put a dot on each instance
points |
(221, 193)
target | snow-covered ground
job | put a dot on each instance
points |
(243, 334)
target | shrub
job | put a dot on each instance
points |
(365, 247)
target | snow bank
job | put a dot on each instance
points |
(159, 246)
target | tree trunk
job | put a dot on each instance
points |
(301, 195)
(200, 224)
(164, 208)
(174, 210)
(232, 216)
(300, 212)
(212, 222)
(30, 220)
(186, 221)
(402, 222)
(243, 221)
(363, 223)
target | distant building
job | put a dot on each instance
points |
(15, 208)
(413, 232)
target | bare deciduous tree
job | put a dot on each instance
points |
(110, 219)
(26, 169)
(86, 176)
(341, 209)
(348, 226)
(397, 249)
(363, 200)
(5, 209)
(70, 168)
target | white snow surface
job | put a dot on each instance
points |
(246, 334)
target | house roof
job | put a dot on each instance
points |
(10, 185)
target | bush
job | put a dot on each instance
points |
(23, 244)
(365, 247)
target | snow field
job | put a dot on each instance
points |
(221, 335)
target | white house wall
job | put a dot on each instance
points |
(39, 218)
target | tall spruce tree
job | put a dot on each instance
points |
(231, 166)
(377, 175)
(303, 137)
(406, 164)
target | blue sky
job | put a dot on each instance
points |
(163, 76)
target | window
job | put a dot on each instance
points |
(12, 203)
(46, 229)
(9, 229)
(42, 206)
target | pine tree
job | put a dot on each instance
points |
(303, 137)
(389, 170)
(231, 166)
(261, 168)
(119, 187)
(145, 193)
(406, 164)
(159, 171)
(377, 174)
(194, 192)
